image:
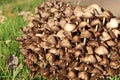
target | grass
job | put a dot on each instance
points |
(10, 30)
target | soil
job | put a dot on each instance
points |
(111, 5)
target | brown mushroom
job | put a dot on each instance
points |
(106, 15)
(89, 59)
(101, 50)
(94, 8)
(54, 28)
(69, 27)
(99, 59)
(76, 38)
(85, 34)
(114, 64)
(51, 39)
(105, 36)
(78, 11)
(83, 75)
(93, 43)
(104, 61)
(77, 53)
(60, 34)
(83, 25)
(111, 43)
(95, 23)
(53, 51)
(71, 74)
(87, 16)
(113, 23)
(89, 50)
(68, 11)
(65, 43)
(116, 32)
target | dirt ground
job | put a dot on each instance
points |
(111, 5)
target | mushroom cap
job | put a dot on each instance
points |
(89, 59)
(60, 34)
(93, 7)
(86, 34)
(101, 50)
(65, 43)
(76, 38)
(111, 43)
(68, 11)
(105, 36)
(78, 11)
(69, 27)
(106, 14)
(87, 15)
(114, 64)
(71, 74)
(89, 50)
(95, 22)
(116, 32)
(83, 24)
(104, 61)
(83, 75)
(53, 50)
(99, 59)
(93, 43)
(51, 39)
(114, 23)
(54, 28)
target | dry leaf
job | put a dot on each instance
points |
(12, 62)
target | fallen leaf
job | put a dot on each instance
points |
(12, 62)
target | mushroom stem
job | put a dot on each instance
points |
(76, 44)
(96, 28)
(66, 49)
(45, 50)
(76, 58)
(54, 72)
(84, 41)
(88, 20)
(103, 20)
(83, 29)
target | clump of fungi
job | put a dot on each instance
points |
(65, 42)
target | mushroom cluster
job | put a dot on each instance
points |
(65, 42)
